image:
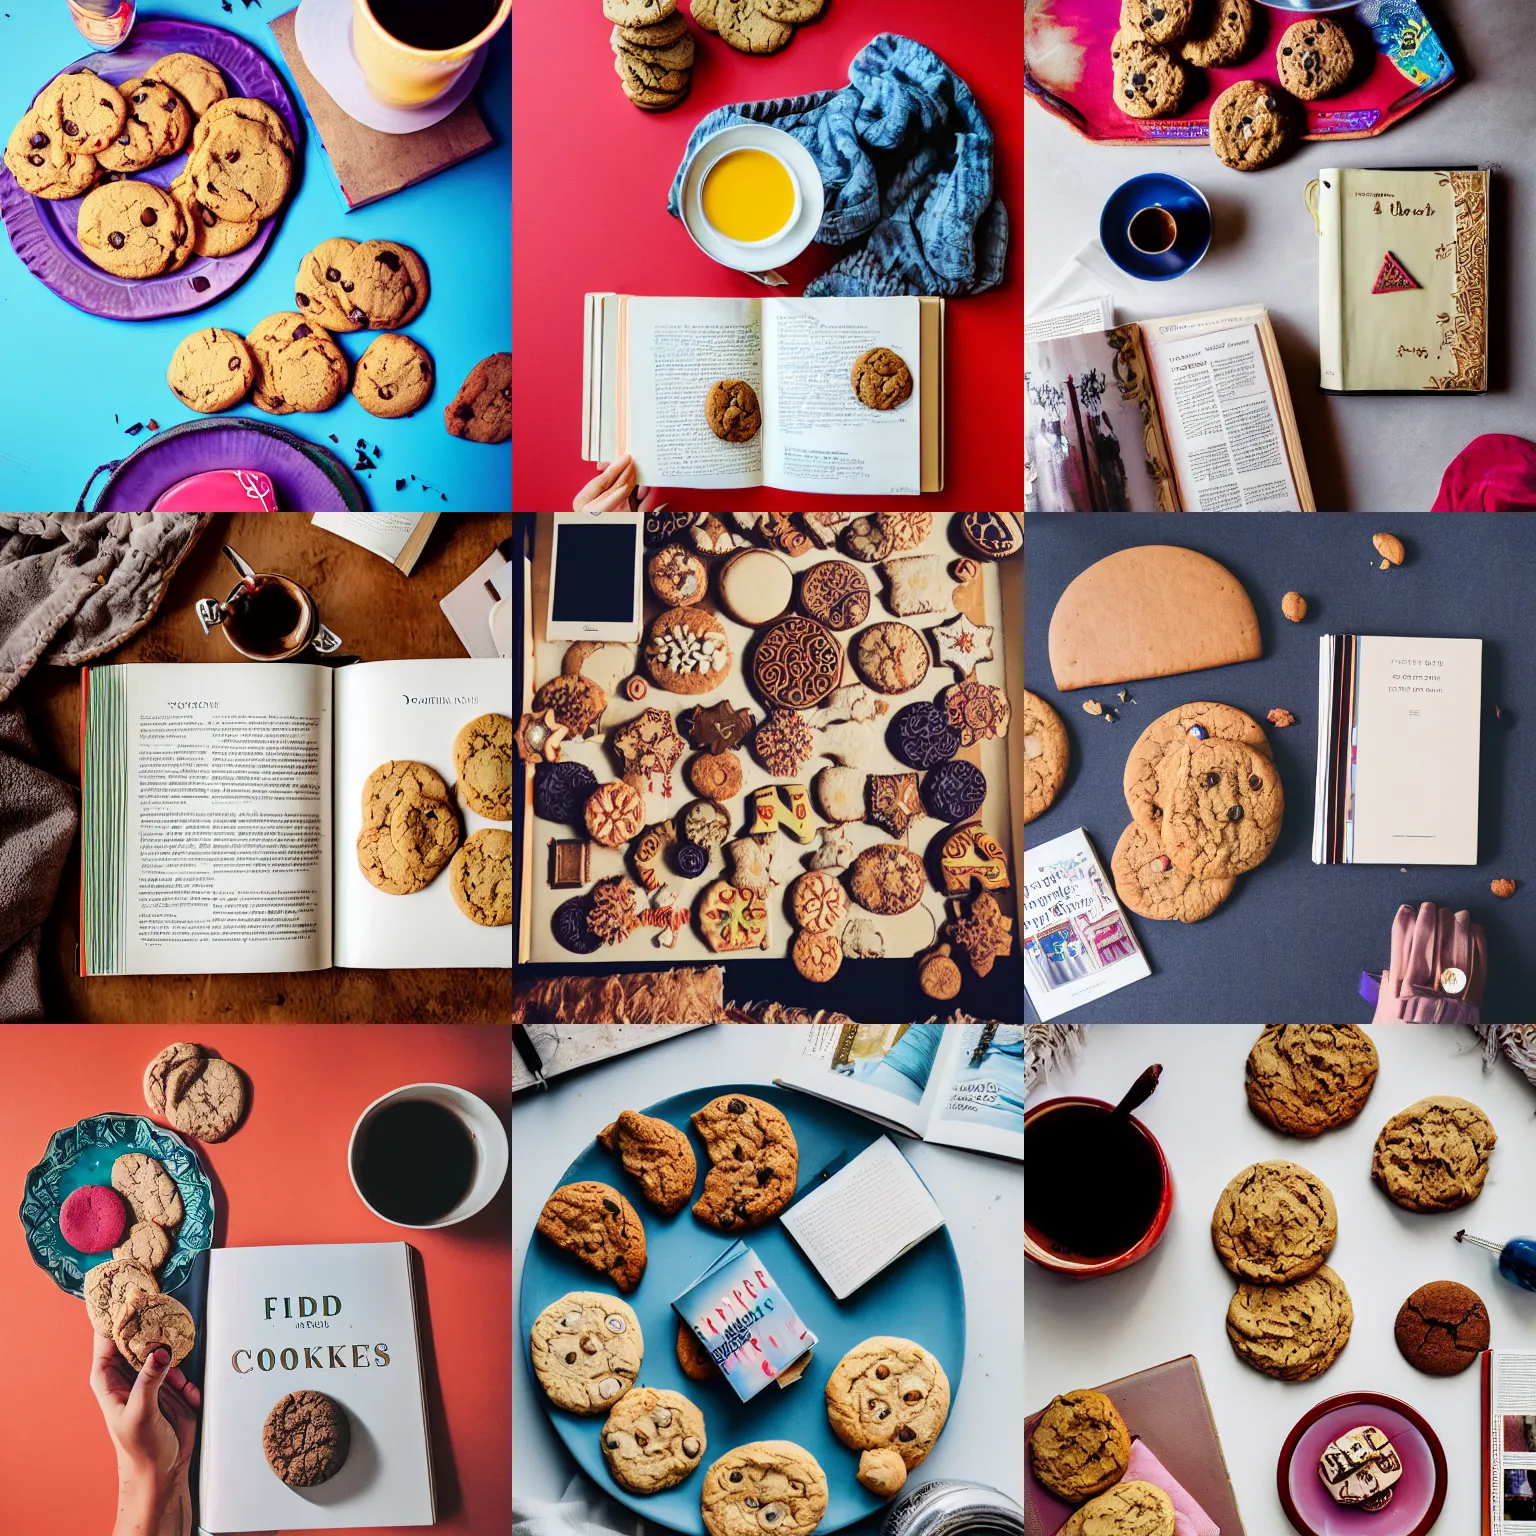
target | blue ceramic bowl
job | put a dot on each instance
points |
(1182, 199)
(919, 1297)
(83, 1153)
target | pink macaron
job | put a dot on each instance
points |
(93, 1219)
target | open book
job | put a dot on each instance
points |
(650, 364)
(340, 1319)
(1191, 414)
(398, 537)
(222, 806)
(958, 1085)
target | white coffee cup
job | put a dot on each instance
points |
(486, 1133)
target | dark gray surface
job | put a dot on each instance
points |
(1290, 942)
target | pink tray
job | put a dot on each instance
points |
(1067, 70)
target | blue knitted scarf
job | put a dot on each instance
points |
(906, 159)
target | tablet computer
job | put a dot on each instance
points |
(594, 583)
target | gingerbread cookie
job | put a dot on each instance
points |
(716, 775)
(875, 538)
(754, 1162)
(993, 535)
(732, 411)
(971, 855)
(836, 594)
(1442, 1328)
(797, 663)
(881, 380)
(657, 1155)
(150, 1191)
(146, 1320)
(106, 1286)
(205, 1098)
(306, 1438)
(984, 933)
(894, 802)
(146, 1244)
(783, 743)
(586, 1349)
(593, 1222)
(816, 956)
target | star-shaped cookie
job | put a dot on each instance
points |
(648, 746)
(984, 933)
(962, 644)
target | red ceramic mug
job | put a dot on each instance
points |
(1072, 1156)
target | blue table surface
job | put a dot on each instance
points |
(1289, 944)
(72, 382)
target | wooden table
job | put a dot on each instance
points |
(381, 615)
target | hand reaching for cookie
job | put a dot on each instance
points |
(613, 489)
(151, 1416)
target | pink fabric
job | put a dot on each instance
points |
(1493, 473)
(1188, 1518)
(1424, 943)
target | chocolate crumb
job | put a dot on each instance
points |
(399, 485)
(153, 425)
(333, 437)
(200, 284)
(364, 462)
(134, 430)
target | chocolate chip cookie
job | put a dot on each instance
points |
(1433, 1156)
(146, 1320)
(1221, 806)
(1158, 21)
(238, 166)
(1169, 732)
(653, 1440)
(81, 111)
(1314, 58)
(638, 13)
(593, 1222)
(150, 1191)
(1080, 1446)
(1304, 1079)
(765, 1478)
(732, 411)
(211, 370)
(655, 1153)
(158, 125)
(131, 228)
(324, 287)
(1046, 754)
(205, 1098)
(298, 366)
(1442, 1328)
(887, 1395)
(209, 234)
(106, 1285)
(754, 1159)
(42, 165)
(306, 1438)
(250, 109)
(1149, 81)
(586, 1349)
(194, 79)
(1291, 1332)
(1274, 1223)
(1251, 123)
(393, 379)
(1131, 1508)
(881, 379)
(482, 409)
(1152, 885)
(482, 762)
(480, 877)
(1218, 34)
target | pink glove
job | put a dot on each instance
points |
(1424, 945)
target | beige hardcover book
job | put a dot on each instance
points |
(1403, 280)
(648, 364)
(1188, 414)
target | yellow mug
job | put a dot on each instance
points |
(402, 76)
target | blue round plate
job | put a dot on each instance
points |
(919, 1297)
(83, 1153)
(1182, 199)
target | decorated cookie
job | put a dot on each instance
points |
(577, 702)
(887, 879)
(706, 825)
(649, 850)
(784, 743)
(586, 1348)
(863, 940)
(719, 728)
(819, 902)
(648, 747)
(561, 791)
(711, 536)
(677, 576)
(840, 793)
(977, 710)
(917, 584)
(1360, 1468)
(662, 527)
(823, 528)
(922, 737)
(875, 538)
(755, 586)
(993, 535)
(836, 594)
(690, 860)
(954, 791)
(733, 918)
(962, 644)
(938, 976)
(887, 1394)
(688, 651)
(797, 663)
(538, 738)
(893, 802)
(984, 933)
(612, 917)
(835, 850)
(971, 854)
(569, 925)
(785, 806)
(751, 861)
(817, 956)
(715, 775)
(614, 814)
(891, 657)
(653, 1440)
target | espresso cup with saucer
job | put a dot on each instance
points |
(1156, 227)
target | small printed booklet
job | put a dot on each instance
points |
(863, 1217)
(747, 1324)
(1191, 414)
(398, 537)
(1398, 750)
(1403, 290)
(1509, 1441)
(957, 1085)
(222, 804)
(650, 364)
(1078, 944)
(340, 1319)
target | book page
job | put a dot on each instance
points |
(981, 1101)
(820, 436)
(1080, 319)
(385, 533)
(1418, 714)
(1220, 415)
(207, 827)
(389, 711)
(863, 1218)
(678, 349)
(1511, 1399)
(885, 1071)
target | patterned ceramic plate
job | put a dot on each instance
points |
(83, 1153)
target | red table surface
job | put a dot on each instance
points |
(590, 176)
(281, 1178)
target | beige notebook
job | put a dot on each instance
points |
(649, 364)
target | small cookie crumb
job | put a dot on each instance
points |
(1503, 888)
(1092, 707)
(1281, 718)
(1294, 606)
(1389, 547)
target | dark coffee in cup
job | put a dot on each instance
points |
(271, 621)
(433, 24)
(1153, 231)
(415, 1161)
(1092, 1185)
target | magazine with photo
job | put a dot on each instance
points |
(1078, 944)
(1509, 1441)
(957, 1085)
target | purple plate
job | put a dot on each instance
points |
(305, 476)
(42, 231)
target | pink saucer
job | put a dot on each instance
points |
(220, 490)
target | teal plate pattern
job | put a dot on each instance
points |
(83, 1153)
(919, 1297)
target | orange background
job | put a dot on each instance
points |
(281, 1178)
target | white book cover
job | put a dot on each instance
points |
(1418, 724)
(333, 1318)
(1078, 943)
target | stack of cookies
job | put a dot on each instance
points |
(1206, 806)
(653, 51)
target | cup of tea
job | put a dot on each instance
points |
(427, 1155)
(271, 618)
(1097, 1190)
(749, 196)
(1152, 230)
(412, 51)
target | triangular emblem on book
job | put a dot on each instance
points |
(1393, 277)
